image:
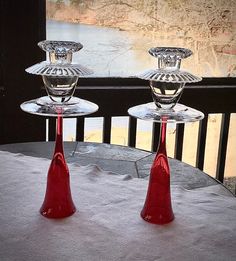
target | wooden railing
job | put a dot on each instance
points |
(115, 96)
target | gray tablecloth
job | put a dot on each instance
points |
(107, 225)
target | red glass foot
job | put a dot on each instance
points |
(157, 208)
(58, 202)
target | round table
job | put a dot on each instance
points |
(118, 159)
(107, 225)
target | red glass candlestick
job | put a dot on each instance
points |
(157, 208)
(58, 202)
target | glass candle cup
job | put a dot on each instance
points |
(166, 94)
(60, 89)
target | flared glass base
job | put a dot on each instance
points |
(58, 202)
(44, 106)
(179, 114)
(157, 208)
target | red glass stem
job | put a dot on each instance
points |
(157, 208)
(58, 202)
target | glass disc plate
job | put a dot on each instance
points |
(75, 107)
(179, 114)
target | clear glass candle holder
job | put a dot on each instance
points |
(59, 74)
(60, 77)
(167, 81)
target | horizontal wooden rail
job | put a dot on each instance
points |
(115, 100)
